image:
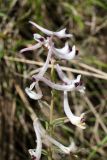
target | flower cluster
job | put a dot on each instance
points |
(34, 91)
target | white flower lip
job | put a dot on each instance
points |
(60, 34)
(75, 120)
(33, 95)
(63, 50)
(65, 53)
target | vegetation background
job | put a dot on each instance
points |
(87, 20)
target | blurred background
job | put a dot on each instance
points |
(87, 21)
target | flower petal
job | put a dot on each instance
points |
(62, 34)
(38, 37)
(67, 56)
(64, 50)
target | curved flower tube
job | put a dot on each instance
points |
(34, 47)
(75, 120)
(60, 34)
(60, 87)
(68, 55)
(62, 75)
(45, 66)
(71, 148)
(36, 153)
(64, 78)
(63, 87)
(32, 94)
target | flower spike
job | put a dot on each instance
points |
(78, 121)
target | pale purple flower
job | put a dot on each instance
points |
(64, 87)
(75, 120)
(47, 138)
(32, 94)
(60, 34)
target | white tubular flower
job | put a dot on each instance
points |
(60, 87)
(32, 94)
(65, 53)
(64, 87)
(75, 120)
(71, 148)
(45, 66)
(60, 34)
(36, 153)
(34, 47)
